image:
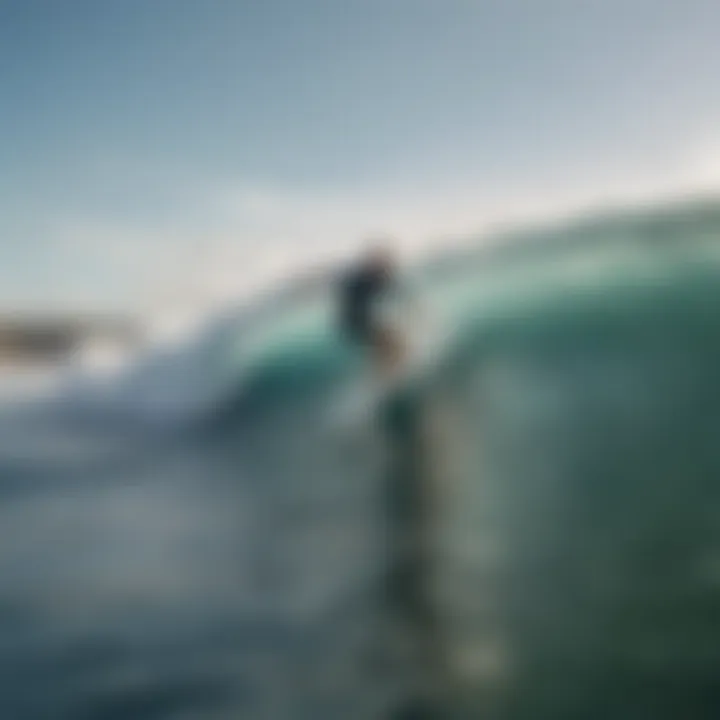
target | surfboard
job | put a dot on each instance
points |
(426, 343)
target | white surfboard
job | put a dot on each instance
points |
(426, 339)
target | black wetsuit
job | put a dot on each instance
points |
(359, 290)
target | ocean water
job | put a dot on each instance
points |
(529, 529)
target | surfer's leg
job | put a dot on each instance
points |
(390, 350)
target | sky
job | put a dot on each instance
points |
(155, 153)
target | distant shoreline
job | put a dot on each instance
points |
(48, 341)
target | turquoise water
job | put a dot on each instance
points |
(250, 563)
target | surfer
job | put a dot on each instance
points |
(362, 293)
(379, 312)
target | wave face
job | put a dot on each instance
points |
(252, 562)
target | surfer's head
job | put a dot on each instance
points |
(380, 257)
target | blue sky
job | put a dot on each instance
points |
(150, 146)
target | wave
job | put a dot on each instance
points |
(532, 522)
